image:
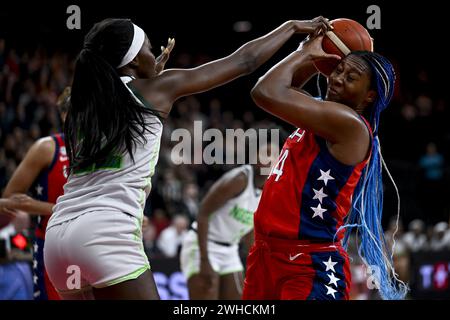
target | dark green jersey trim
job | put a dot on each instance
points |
(140, 97)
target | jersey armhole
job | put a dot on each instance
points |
(140, 97)
(323, 144)
(55, 154)
(247, 174)
(369, 129)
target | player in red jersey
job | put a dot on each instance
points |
(316, 183)
(42, 173)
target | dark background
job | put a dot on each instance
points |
(412, 32)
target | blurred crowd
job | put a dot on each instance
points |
(414, 137)
(417, 238)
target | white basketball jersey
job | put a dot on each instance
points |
(117, 184)
(233, 220)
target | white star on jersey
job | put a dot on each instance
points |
(329, 264)
(333, 279)
(35, 247)
(35, 279)
(34, 264)
(319, 194)
(318, 211)
(39, 190)
(325, 176)
(330, 291)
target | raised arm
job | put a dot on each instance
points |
(37, 159)
(274, 93)
(172, 84)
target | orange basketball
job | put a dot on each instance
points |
(347, 35)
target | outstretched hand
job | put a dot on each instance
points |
(164, 56)
(312, 46)
(315, 26)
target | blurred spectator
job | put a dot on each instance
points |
(159, 220)
(400, 245)
(400, 251)
(169, 241)
(424, 105)
(432, 163)
(360, 286)
(415, 239)
(171, 188)
(191, 200)
(360, 290)
(431, 189)
(441, 237)
(409, 112)
(148, 237)
(2, 52)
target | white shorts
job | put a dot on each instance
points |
(223, 259)
(101, 248)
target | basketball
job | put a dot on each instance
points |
(347, 35)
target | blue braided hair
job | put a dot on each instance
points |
(367, 203)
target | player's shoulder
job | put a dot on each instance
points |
(43, 149)
(236, 179)
(240, 173)
(353, 121)
(45, 144)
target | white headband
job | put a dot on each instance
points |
(136, 45)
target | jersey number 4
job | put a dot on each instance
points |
(278, 168)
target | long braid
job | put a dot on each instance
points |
(367, 204)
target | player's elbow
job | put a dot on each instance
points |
(257, 94)
(262, 94)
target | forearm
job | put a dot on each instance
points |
(40, 208)
(27, 204)
(202, 234)
(258, 51)
(303, 74)
(280, 77)
(176, 83)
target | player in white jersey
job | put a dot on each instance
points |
(94, 240)
(209, 256)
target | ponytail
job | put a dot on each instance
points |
(103, 118)
(367, 203)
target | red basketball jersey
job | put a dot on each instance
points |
(49, 184)
(308, 193)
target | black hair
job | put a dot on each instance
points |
(103, 117)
